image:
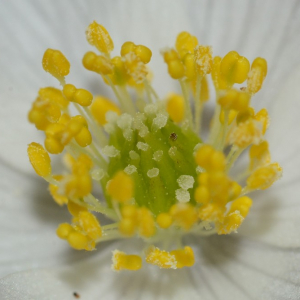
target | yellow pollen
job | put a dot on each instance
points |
(219, 80)
(55, 63)
(259, 155)
(184, 215)
(203, 60)
(263, 177)
(89, 223)
(257, 75)
(161, 258)
(123, 261)
(98, 36)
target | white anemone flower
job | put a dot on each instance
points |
(262, 261)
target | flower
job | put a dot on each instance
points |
(229, 267)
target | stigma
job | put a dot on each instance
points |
(159, 178)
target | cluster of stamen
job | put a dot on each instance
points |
(159, 179)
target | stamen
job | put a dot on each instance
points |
(160, 178)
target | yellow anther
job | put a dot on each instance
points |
(84, 137)
(53, 146)
(175, 107)
(123, 261)
(231, 116)
(84, 162)
(203, 178)
(230, 223)
(53, 95)
(263, 117)
(75, 209)
(210, 159)
(144, 53)
(98, 36)
(89, 223)
(203, 154)
(242, 204)
(160, 258)
(55, 63)
(80, 96)
(202, 194)
(78, 240)
(184, 257)
(127, 47)
(146, 223)
(135, 68)
(97, 63)
(39, 159)
(64, 230)
(176, 69)
(211, 212)
(219, 80)
(259, 155)
(246, 133)
(256, 76)
(234, 99)
(204, 91)
(184, 215)
(235, 68)
(119, 76)
(175, 65)
(54, 191)
(78, 185)
(245, 115)
(170, 55)
(164, 220)
(203, 59)
(101, 106)
(235, 190)
(83, 97)
(185, 43)
(129, 211)
(263, 177)
(127, 226)
(121, 187)
(189, 63)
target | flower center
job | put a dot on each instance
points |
(159, 179)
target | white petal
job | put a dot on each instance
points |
(226, 268)
(28, 220)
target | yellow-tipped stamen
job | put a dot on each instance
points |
(39, 159)
(123, 261)
(160, 178)
(55, 63)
